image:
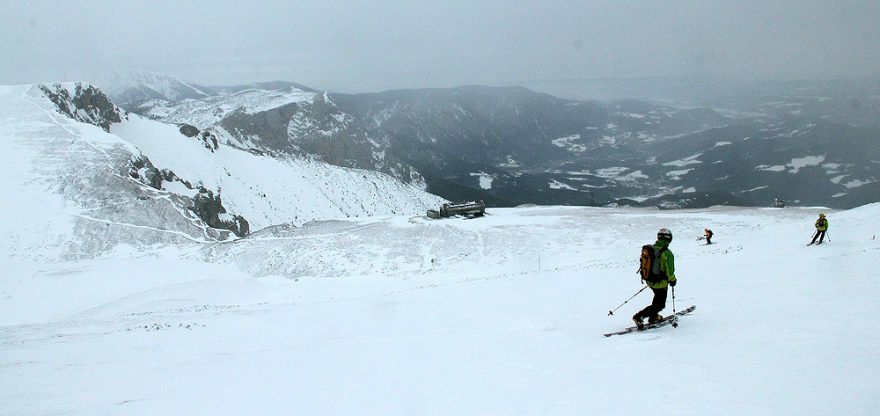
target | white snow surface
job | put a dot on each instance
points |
(268, 190)
(503, 314)
(207, 112)
(560, 185)
(690, 160)
(677, 174)
(165, 85)
(484, 179)
(570, 143)
(795, 165)
(855, 183)
(774, 168)
(802, 162)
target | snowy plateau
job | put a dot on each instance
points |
(115, 299)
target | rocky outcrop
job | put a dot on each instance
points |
(142, 170)
(207, 137)
(209, 208)
(85, 103)
(188, 130)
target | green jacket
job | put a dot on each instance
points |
(822, 224)
(667, 265)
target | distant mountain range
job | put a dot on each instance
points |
(511, 146)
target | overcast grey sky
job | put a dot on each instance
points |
(367, 46)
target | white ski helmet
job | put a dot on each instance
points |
(665, 235)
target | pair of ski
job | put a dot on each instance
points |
(671, 319)
(820, 240)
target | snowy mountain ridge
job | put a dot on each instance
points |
(133, 87)
(101, 177)
(208, 111)
(275, 118)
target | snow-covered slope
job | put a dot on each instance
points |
(135, 87)
(281, 119)
(66, 189)
(498, 315)
(208, 111)
(82, 176)
(274, 190)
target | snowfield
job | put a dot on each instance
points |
(208, 111)
(399, 315)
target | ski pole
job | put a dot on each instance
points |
(674, 316)
(828, 235)
(611, 312)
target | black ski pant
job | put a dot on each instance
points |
(656, 305)
(708, 240)
(820, 235)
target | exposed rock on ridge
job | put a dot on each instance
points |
(83, 102)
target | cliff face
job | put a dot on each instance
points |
(85, 103)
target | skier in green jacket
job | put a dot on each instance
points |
(667, 278)
(821, 228)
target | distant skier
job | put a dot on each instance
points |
(660, 275)
(708, 234)
(821, 227)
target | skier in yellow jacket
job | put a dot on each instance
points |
(821, 228)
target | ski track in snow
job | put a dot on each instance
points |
(143, 227)
(65, 124)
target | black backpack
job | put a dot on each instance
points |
(649, 264)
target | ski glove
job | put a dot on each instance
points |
(673, 282)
